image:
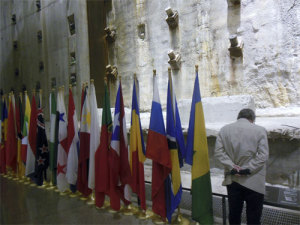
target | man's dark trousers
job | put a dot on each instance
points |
(237, 194)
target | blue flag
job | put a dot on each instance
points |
(177, 150)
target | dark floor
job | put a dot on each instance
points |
(22, 204)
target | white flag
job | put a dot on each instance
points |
(94, 137)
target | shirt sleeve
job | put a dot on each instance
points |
(262, 155)
(221, 154)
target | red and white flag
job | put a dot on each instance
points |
(62, 155)
(94, 137)
(120, 174)
(73, 142)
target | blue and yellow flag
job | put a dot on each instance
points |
(137, 150)
(197, 157)
(177, 150)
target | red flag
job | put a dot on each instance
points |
(101, 155)
(84, 151)
(11, 151)
(120, 175)
(158, 151)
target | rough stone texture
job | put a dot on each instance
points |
(268, 71)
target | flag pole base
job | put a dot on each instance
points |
(90, 202)
(22, 179)
(63, 193)
(127, 210)
(51, 187)
(27, 180)
(33, 185)
(83, 198)
(112, 211)
(91, 199)
(105, 206)
(144, 214)
(16, 178)
(75, 194)
(158, 219)
(45, 185)
(180, 220)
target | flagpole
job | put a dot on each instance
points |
(91, 198)
(8, 169)
(55, 187)
(32, 183)
(21, 180)
(26, 179)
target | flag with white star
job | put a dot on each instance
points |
(42, 152)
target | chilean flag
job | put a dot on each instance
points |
(158, 151)
(120, 175)
(11, 151)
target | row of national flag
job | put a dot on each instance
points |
(85, 157)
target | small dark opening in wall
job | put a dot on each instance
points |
(41, 66)
(73, 79)
(72, 58)
(53, 82)
(71, 21)
(37, 86)
(141, 31)
(38, 5)
(15, 45)
(39, 36)
(14, 19)
(17, 72)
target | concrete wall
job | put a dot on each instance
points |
(268, 70)
(54, 50)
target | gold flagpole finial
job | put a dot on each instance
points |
(169, 72)
(105, 80)
(52, 89)
(92, 81)
(154, 72)
(134, 76)
(70, 86)
(196, 68)
(25, 92)
(33, 91)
